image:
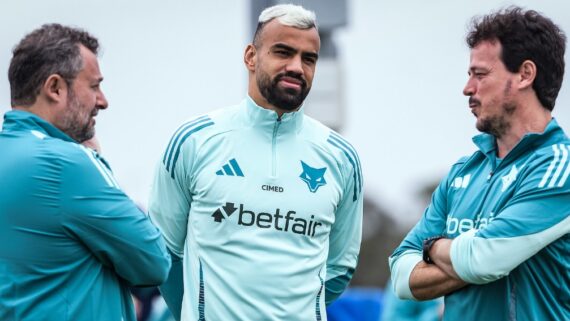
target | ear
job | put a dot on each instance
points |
(527, 74)
(54, 88)
(249, 57)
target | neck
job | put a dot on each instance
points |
(525, 121)
(37, 110)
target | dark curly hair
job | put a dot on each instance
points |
(50, 49)
(526, 35)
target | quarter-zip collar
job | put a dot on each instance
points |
(488, 146)
(257, 116)
(20, 120)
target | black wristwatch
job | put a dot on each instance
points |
(428, 243)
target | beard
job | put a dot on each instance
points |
(498, 125)
(287, 99)
(76, 120)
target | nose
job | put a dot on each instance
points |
(295, 65)
(469, 89)
(102, 102)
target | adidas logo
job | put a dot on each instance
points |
(229, 208)
(230, 169)
(461, 182)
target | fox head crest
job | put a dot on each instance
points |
(314, 177)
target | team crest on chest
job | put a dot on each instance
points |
(510, 177)
(314, 177)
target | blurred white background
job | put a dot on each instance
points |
(403, 63)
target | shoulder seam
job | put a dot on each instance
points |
(346, 148)
(172, 152)
(101, 168)
(559, 161)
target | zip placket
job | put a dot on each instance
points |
(274, 147)
(491, 179)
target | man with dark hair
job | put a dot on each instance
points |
(260, 204)
(494, 240)
(71, 242)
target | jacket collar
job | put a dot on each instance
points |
(552, 133)
(20, 120)
(257, 116)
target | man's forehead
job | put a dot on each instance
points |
(486, 50)
(275, 32)
(90, 67)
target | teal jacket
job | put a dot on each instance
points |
(510, 221)
(71, 242)
(265, 213)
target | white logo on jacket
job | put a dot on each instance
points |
(510, 177)
(461, 225)
(461, 182)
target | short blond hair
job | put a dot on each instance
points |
(287, 14)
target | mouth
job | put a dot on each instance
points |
(473, 103)
(93, 115)
(290, 82)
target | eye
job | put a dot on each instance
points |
(282, 53)
(310, 60)
(479, 73)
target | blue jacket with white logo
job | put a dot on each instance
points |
(71, 242)
(265, 213)
(510, 221)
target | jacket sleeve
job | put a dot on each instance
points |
(409, 253)
(97, 213)
(537, 215)
(346, 234)
(169, 206)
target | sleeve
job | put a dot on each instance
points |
(537, 215)
(345, 236)
(169, 206)
(169, 203)
(409, 253)
(97, 212)
(173, 289)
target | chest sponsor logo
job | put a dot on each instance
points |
(314, 177)
(272, 188)
(456, 225)
(461, 182)
(278, 219)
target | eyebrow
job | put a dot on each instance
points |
(478, 68)
(289, 48)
